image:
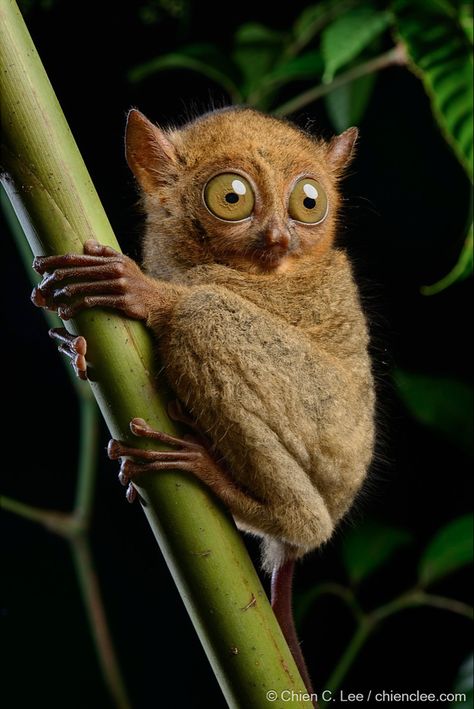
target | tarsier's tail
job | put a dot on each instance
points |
(281, 598)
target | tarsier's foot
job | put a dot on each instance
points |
(100, 277)
(190, 455)
(74, 347)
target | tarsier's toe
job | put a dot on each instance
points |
(37, 298)
(74, 347)
(95, 248)
(123, 479)
(131, 493)
(139, 426)
(114, 449)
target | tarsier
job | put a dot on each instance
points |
(257, 321)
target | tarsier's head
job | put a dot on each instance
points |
(239, 187)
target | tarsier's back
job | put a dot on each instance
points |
(268, 347)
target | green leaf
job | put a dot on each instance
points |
(314, 18)
(461, 270)
(311, 20)
(257, 50)
(438, 39)
(442, 403)
(464, 684)
(441, 52)
(347, 104)
(346, 37)
(449, 550)
(367, 547)
(205, 59)
(465, 19)
(307, 66)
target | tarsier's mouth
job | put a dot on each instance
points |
(270, 258)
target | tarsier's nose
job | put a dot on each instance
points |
(276, 237)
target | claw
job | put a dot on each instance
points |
(139, 426)
(131, 494)
(123, 479)
(95, 248)
(113, 449)
(74, 347)
(37, 298)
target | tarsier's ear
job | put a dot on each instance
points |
(341, 149)
(150, 154)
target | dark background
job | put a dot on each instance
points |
(406, 202)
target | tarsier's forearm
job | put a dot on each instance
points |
(101, 277)
(218, 349)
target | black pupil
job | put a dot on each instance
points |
(232, 197)
(309, 202)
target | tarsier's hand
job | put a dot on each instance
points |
(101, 277)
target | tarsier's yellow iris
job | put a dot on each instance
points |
(229, 196)
(308, 202)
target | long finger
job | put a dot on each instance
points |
(139, 427)
(117, 286)
(76, 342)
(108, 269)
(135, 470)
(66, 312)
(78, 361)
(47, 264)
(116, 450)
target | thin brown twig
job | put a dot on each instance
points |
(394, 57)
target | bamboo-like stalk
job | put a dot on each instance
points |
(59, 209)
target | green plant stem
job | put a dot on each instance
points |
(181, 61)
(58, 522)
(327, 589)
(94, 607)
(26, 256)
(59, 209)
(369, 622)
(461, 269)
(395, 56)
(417, 598)
(87, 464)
(447, 604)
(72, 529)
(364, 629)
(88, 413)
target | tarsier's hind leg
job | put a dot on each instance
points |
(192, 454)
(189, 454)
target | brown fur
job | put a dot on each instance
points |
(270, 357)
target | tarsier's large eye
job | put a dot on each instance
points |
(308, 202)
(229, 196)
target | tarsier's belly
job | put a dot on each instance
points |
(294, 425)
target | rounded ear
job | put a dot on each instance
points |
(341, 149)
(150, 154)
